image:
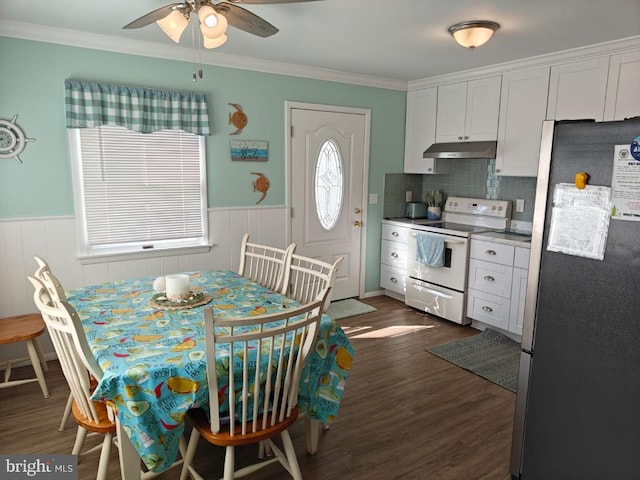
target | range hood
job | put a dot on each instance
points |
(461, 150)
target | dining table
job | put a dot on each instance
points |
(152, 354)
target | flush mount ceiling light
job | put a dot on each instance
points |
(474, 33)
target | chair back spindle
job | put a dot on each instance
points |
(309, 278)
(268, 266)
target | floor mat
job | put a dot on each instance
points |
(490, 354)
(348, 308)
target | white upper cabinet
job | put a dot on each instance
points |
(420, 132)
(523, 106)
(468, 111)
(623, 88)
(577, 90)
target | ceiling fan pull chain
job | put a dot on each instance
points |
(193, 43)
(200, 73)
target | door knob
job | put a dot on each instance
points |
(357, 223)
(356, 210)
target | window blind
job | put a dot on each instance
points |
(142, 188)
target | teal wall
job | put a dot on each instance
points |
(31, 86)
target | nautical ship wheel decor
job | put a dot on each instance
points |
(12, 139)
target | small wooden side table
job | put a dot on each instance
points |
(24, 328)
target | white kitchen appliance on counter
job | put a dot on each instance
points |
(441, 290)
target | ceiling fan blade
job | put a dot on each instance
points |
(155, 15)
(245, 20)
(267, 2)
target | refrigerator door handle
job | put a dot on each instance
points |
(521, 414)
(535, 257)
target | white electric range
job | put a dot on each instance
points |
(441, 290)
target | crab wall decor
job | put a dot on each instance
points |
(261, 184)
(238, 119)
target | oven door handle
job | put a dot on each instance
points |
(434, 292)
(446, 238)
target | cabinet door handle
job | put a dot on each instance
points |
(466, 137)
(394, 279)
(487, 309)
(395, 234)
(394, 254)
(460, 138)
(490, 252)
(489, 278)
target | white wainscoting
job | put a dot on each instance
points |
(54, 239)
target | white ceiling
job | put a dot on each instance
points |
(400, 40)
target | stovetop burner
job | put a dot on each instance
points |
(464, 216)
(458, 227)
(450, 228)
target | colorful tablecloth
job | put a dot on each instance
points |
(154, 359)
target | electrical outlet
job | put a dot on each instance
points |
(408, 196)
(373, 198)
(520, 205)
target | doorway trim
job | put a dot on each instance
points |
(291, 105)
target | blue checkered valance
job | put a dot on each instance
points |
(146, 110)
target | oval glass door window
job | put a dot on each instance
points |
(329, 183)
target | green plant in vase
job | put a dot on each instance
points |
(434, 204)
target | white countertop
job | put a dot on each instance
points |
(517, 240)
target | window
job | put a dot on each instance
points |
(139, 167)
(328, 185)
(139, 191)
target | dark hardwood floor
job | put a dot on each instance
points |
(406, 414)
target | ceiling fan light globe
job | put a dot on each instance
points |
(173, 25)
(217, 31)
(208, 16)
(215, 42)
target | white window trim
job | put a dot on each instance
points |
(86, 255)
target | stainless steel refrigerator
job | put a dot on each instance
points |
(578, 401)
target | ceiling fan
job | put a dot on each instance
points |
(213, 17)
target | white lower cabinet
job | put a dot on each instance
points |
(393, 258)
(518, 294)
(497, 284)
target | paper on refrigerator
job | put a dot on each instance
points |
(625, 185)
(580, 220)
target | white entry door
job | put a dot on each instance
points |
(328, 157)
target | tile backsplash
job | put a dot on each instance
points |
(474, 178)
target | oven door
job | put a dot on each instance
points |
(454, 272)
(436, 300)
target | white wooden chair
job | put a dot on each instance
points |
(263, 402)
(268, 266)
(82, 372)
(56, 293)
(52, 284)
(309, 277)
(78, 366)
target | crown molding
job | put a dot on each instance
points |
(564, 56)
(73, 38)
